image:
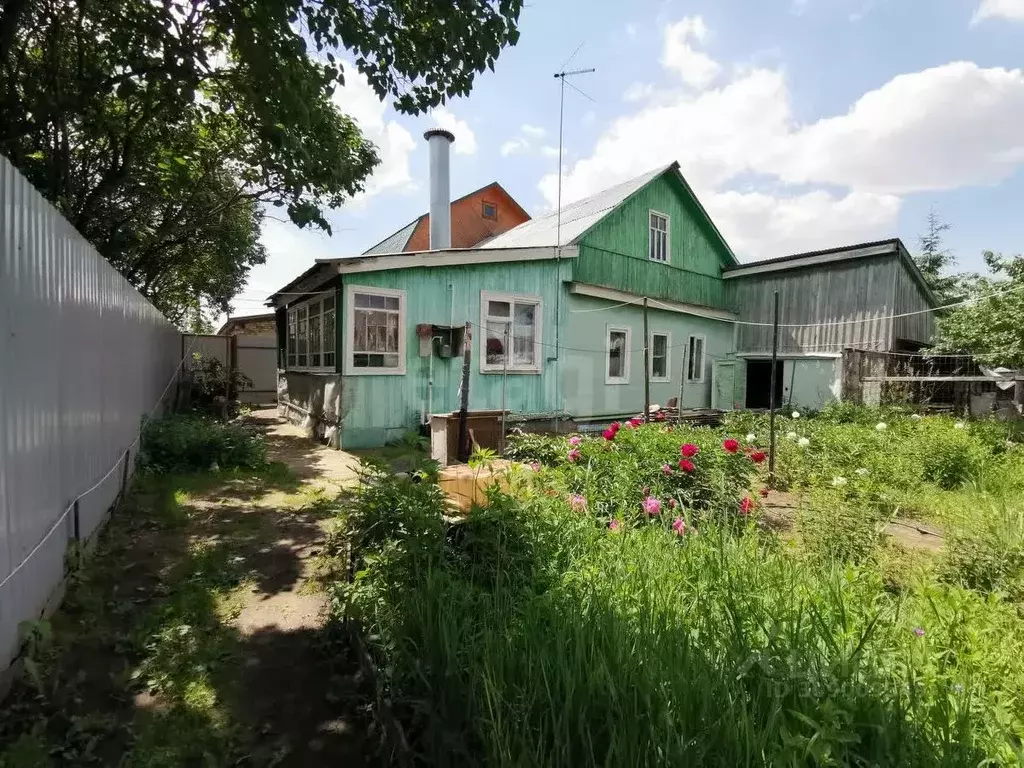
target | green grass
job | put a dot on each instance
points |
(139, 667)
(533, 635)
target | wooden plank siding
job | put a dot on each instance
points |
(868, 290)
(859, 290)
(615, 252)
(377, 408)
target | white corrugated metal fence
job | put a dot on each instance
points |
(83, 357)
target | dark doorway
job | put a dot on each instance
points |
(759, 383)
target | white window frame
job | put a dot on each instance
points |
(703, 357)
(293, 354)
(350, 330)
(668, 357)
(668, 237)
(627, 354)
(512, 299)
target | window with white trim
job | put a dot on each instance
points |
(661, 343)
(695, 359)
(511, 328)
(658, 240)
(375, 335)
(616, 370)
(309, 344)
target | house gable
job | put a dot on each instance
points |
(615, 251)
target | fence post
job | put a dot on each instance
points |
(771, 397)
(124, 472)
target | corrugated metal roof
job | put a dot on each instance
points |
(577, 217)
(396, 242)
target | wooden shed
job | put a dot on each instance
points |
(829, 301)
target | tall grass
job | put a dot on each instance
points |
(533, 635)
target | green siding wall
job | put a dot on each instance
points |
(615, 252)
(380, 408)
(583, 377)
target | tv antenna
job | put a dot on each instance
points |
(561, 116)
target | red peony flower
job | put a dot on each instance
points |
(615, 425)
(757, 457)
(608, 434)
(689, 450)
(730, 445)
(686, 465)
(746, 505)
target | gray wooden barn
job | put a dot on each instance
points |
(829, 301)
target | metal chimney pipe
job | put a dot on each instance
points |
(439, 141)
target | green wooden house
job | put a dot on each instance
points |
(371, 345)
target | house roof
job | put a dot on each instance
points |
(831, 256)
(233, 321)
(579, 217)
(398, 241)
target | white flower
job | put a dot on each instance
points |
(881, 426)
(959, 425)
(804, 442)
(863, 471)
(838, 482)
(751, 437)
(915, 416)
(791, 435)
(796, 414)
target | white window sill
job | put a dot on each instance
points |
(660, 380)
(512, 371)
(296, 369)
(375, 371)
(615, 382)
(695, 381)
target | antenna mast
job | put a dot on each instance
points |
(561, 115)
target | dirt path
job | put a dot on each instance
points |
(291, 682)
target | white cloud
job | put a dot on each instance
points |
(549, 151)
(638, 92)
(533, 131)
(936, 129)
(514, 146)
(465, 139)
(760, 226)
(695, 67)
(940, 128)
(394, 143)
(999, 9)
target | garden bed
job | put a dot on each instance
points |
(622, 601)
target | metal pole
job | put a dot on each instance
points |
(504, 383)
(771, 397)
(561, 113)
(682, 379)
(647, 367)
(463, 445)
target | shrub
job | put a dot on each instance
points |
(988, 555)
(530, 446)
(833, 528)
(191, 442)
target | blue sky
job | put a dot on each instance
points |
(800, 124)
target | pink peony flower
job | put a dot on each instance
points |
(679, 526)
(687, 466)
(746, 505)
(613, 525)
(577, 502)
(535, 466)
(666, 469)
(689, 450)
(652, 506)
(574, 455)
(757, 457)
(608, 434)
(575, 440)
(731, 445)
(635, 422)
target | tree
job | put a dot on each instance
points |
(933, 259)
(991, 326)
(163, 130)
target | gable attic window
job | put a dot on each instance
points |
(374, 331)
(511, 321)
(309, 344)
(490, 211)
(658, 241)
